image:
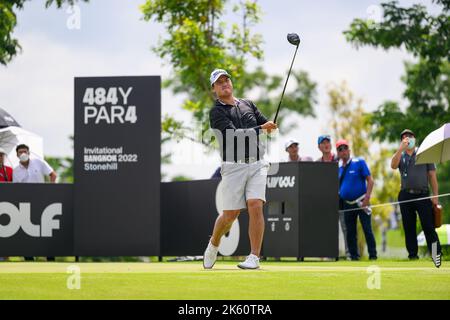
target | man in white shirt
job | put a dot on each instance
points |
(31, 170)
(291, 147)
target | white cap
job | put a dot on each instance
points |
(2, 151)
(216, 75)
(289, 143)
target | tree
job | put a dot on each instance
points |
(427, 81)
(63, 166)
(301, 100)
(199, 40)
(349, 120)
(9, 46)
(181, 178)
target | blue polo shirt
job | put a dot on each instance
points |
(354, 184)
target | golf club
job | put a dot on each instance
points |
(294, 39)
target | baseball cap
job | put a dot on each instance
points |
(216, 75)
(289, 143)
(405, 132)
(323, 137)
(2, 151)
(341, 142)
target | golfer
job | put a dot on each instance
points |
(237, 124)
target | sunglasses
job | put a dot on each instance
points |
(342, 148)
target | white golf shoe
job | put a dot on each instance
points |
(437, 260)
(251, 262)
(210, 256)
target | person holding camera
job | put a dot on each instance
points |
(414, 185)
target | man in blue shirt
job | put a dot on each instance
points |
(355, 188)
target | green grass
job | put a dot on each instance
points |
(188, 280)
(395, 238)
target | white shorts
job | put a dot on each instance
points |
(243, 181)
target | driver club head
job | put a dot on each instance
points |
(293, 38)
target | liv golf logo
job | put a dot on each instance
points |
(281, 182)
(20, 217)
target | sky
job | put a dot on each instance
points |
(37, 89)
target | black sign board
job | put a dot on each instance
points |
(302, 211)
(188, 213)
(36, 219)
(301, 214)
(117, 165)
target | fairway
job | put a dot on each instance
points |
(188, 280)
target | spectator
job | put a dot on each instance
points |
(291, 148)
(355, 189)
(6, 173)
(32, 171)
(414, 184)
(324, 143)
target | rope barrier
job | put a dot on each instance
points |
(396, 202)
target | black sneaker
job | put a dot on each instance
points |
(413, 258)
(372, 258)
(437, 261)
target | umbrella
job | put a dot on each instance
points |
(10, 137)
(436, 146)
(443, 233)
(7, 120)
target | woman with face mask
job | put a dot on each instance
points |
(415, 180)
